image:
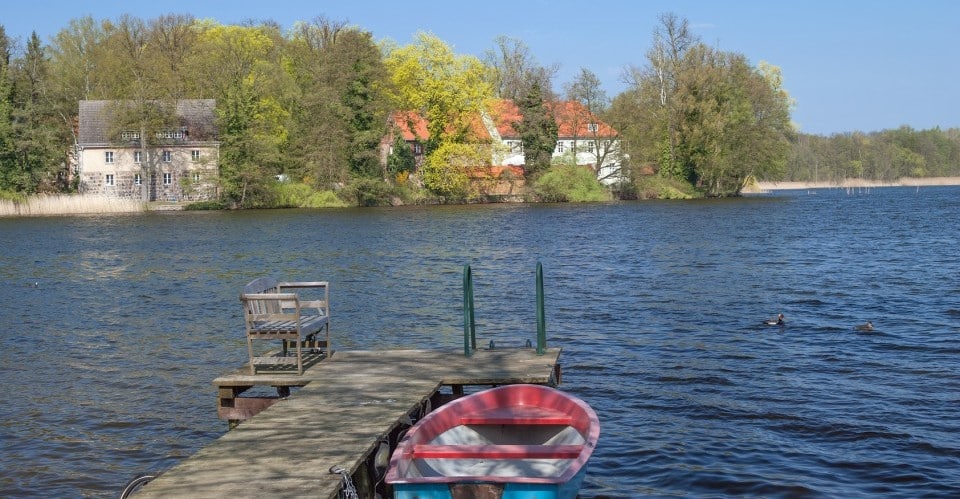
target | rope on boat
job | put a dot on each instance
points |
(135, 484)
(347, 490)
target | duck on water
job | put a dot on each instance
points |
(779, 321)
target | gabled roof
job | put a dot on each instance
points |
(412, 126)
(572, 119)
(195, 116)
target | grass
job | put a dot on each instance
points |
(67, 204)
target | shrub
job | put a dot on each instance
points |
(659, 187)
(569, 183)
(206, 205)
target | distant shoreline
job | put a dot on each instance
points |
(766, 186)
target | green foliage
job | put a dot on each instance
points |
(401, 160)
(446, 171)
(711, 119)
(659, 187)
(206, 206)
(324, 199)
(538, 131)
(449, 91)
(16, 197)
(570, 183)
(886, 155)
(300, 195)
(373, 192)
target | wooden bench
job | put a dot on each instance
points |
(272, 311)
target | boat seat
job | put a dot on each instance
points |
(426, 451)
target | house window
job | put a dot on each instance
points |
(593, 127)
(171, 134)
(137, 180)
(196, 177)
(109, 180)
(167, 156)
(137, 156)
(194, 155)
(590, 145)
(108, 157)
(167, 178)
(560, 146)
(131, 136)
(417, 148)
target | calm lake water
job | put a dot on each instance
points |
(113, 328)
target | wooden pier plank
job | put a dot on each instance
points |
(348, 403)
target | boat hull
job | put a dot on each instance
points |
(510, 442)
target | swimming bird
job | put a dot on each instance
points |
(775, 322)
(867, 326)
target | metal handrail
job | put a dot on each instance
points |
(469, 322)
(541, 314)
(469, 325)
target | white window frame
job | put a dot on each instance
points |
(593, 127)
(137, 157)
(559, 147)
(137, 179)
(195, 155)
(108, 157)
(196, 176)
(109, 180)
(167, 156)
(167, 178)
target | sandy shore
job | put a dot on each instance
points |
(853, 183)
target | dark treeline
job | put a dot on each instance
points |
(886, 155)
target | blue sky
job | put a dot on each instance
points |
(849, 65)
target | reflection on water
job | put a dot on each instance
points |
(114, 327)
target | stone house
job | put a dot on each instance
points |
(179, 161)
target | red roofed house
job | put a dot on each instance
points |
(587, 139)
(581, 135)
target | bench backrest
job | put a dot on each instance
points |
(266, 307)
(261, 285)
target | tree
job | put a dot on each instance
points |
(242, 68)
(713, 119)
(36, 156)
(401, 161)
(538, 131)
(590, 104)
(513, 70)
(656, 85)
(448, 90)
(340, 116)
(9, 176)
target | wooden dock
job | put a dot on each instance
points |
(349, 412)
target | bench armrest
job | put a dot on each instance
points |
(321, 305)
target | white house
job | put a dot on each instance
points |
(580, 136)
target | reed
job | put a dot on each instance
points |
(66, 204)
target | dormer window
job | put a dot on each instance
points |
(172, 134)
(593, 127)
(130, 136)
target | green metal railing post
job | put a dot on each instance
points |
(541, 314)
(469, 326)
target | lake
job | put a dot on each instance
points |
(113, 328)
